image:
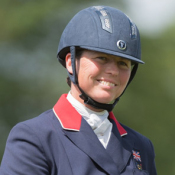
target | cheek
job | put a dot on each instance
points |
(87, 70)
(125, 77)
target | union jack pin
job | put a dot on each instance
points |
(136, 155)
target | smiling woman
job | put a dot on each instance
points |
(101, 56)
(102, 76)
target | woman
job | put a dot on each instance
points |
(100, 48)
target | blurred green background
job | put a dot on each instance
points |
(32, 80)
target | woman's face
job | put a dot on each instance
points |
(101, 76)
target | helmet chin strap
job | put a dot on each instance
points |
(88, 100)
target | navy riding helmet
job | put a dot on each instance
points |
(103, 29)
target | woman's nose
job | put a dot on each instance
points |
(112, 68)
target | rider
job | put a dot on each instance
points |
(100, 48)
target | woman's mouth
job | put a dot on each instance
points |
(106, 83)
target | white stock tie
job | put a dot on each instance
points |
(97, 120)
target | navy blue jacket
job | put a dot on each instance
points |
(60, 142)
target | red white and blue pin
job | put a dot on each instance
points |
(137, 158)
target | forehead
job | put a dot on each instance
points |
(91, 54)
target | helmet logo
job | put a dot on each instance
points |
(121, 44)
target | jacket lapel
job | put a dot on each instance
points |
(88, 142)
(119, 148)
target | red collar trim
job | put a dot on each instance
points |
(70, 119)
(121, 130)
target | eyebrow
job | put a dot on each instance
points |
(101, 54)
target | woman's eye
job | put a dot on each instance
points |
(102, 58)
(122, 63)
(125, 64)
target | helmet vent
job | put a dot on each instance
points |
(133, 29)
(105, 18)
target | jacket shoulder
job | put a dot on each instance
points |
(140, 141)
(28, 141)
(41, 127)
(38, 122)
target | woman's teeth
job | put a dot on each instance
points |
(107, 83)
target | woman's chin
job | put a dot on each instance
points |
(104, 99)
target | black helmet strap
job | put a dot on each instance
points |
(73, 76)
(88, 100)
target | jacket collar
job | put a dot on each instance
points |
(70, 119)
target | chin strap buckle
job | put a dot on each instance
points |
(83, 97)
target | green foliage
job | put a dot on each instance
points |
(18, 18)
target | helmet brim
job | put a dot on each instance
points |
(129, 57)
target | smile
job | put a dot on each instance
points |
(107, 83)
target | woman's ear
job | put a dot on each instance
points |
(68, 63)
